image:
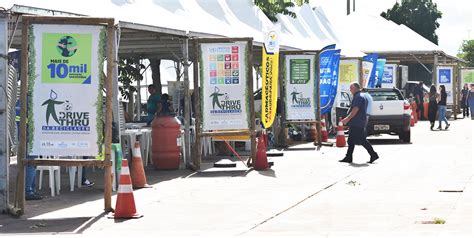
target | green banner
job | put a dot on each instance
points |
(66, 58)
(299, 71)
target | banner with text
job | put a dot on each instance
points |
(329, 77)
(379, 72)
(445, 77)
(66, 77)
(348, 73)
(368, 68)
(299, 85)
(389, 78)
(224, 99)
(270, 54)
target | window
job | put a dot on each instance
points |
(384, 96)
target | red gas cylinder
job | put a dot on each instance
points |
(165, 150)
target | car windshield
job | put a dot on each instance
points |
(384, 96)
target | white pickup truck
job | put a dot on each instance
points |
(390, 113)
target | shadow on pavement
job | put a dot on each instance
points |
(359, 165)
(268, 173)
(63, 225)
(376, 141)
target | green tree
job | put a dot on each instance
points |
(419, 15)
(467, 52)
(272, 8)
(129, 71)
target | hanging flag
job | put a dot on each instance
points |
(368, 68)
(379, 72)
(270, 76)
(329, 75)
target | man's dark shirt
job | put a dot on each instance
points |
(359, 120)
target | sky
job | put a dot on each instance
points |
(456, 25)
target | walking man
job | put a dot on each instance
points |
(356, 120)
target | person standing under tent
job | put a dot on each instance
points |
(419, 95)
(152, 103)
(470, 100)
(464, 104)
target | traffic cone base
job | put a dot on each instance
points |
(261, 161)
(125, 205)
(324, 132)
(137, 172)
(340, 138)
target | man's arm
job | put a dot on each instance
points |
(352, 114)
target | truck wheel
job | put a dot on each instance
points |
(405, 136)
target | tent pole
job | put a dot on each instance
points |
(435, 66)
(187, 111)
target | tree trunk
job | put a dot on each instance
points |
(156, 74)
(177, 68)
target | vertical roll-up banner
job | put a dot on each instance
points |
(379, 73)
(445, 77)
(329, 72)
(389, 77)
(299, 85)
(65, 103)
(270, 54)
(368, 67)
(224, 89)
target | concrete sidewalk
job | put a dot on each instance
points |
(306, 193)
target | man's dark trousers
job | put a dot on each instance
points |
(357, 136)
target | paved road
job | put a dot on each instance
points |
(306, 193)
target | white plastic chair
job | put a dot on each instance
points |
(72, 176)
(54, 178)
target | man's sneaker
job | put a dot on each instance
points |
(33, 196)
(87, 183)
(346, 160)
(447, 126)
(373, 158)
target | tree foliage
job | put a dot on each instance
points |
(272, 8)
(129, 70)
(419, 15)
(467, 52)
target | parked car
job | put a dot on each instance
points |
(390, 113)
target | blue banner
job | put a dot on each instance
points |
(372, 58)
(379, 74)
(329, 77)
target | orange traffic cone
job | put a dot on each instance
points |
(324, 132)
(137, 172)
(125, 206)
(340, 138)
(261, 162)
(412, 120)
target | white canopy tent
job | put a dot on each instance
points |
(375, 34)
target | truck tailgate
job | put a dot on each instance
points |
(383, 108)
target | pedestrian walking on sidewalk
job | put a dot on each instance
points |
(464, 104)
(442, 107)
(432, 106)
(356, 120)
(470, 100)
